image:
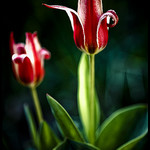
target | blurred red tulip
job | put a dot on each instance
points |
(28, 60)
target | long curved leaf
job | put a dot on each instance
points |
(31, 124)
(124, 128)
(64, 121)
(130, 144)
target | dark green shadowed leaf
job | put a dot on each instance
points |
(72, 145)
(83, 95)
(47, 137)
(66, 124)
(125, 126)
(31, 124)
(142, 132)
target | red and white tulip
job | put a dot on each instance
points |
(89, 24)
(28, 60)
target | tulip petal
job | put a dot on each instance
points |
(112, 14)
(25, 71)
(102, 34)
(32, 44)
(20, 48)
(77, 26)
(11, 43)
(44, 53)
(39, 71)
(18, 58)
(102, 30)
(36, 41)
(30, 47)
(23, 68)
(89, 12)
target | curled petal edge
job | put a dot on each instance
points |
(46, 54)
(76, 24)
(111, 14)
(19, 58)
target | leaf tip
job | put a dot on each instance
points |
(47, 94)
(50, 99)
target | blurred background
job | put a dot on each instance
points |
(121, 69)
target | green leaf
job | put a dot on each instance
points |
(47, 137)
(124, 128)
(31, 124)
(83, 95)
(132, 143)
(72, 145)
(66, 124)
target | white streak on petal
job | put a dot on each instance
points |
(18, 58)
(108, 21)
(70, 13)
(36, 42)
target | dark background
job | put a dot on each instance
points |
(121, 69)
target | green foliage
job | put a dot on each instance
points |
(43, 139)
(31, 124)
(72, 145)
(83, 95)
(123, 129)
(65, 123)
(47, 137)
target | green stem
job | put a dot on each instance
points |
(91, 94)
(37, 104)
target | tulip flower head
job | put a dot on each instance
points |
(89, 24)
(28, 60)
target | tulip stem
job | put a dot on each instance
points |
(91, 95)
(37, 104)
